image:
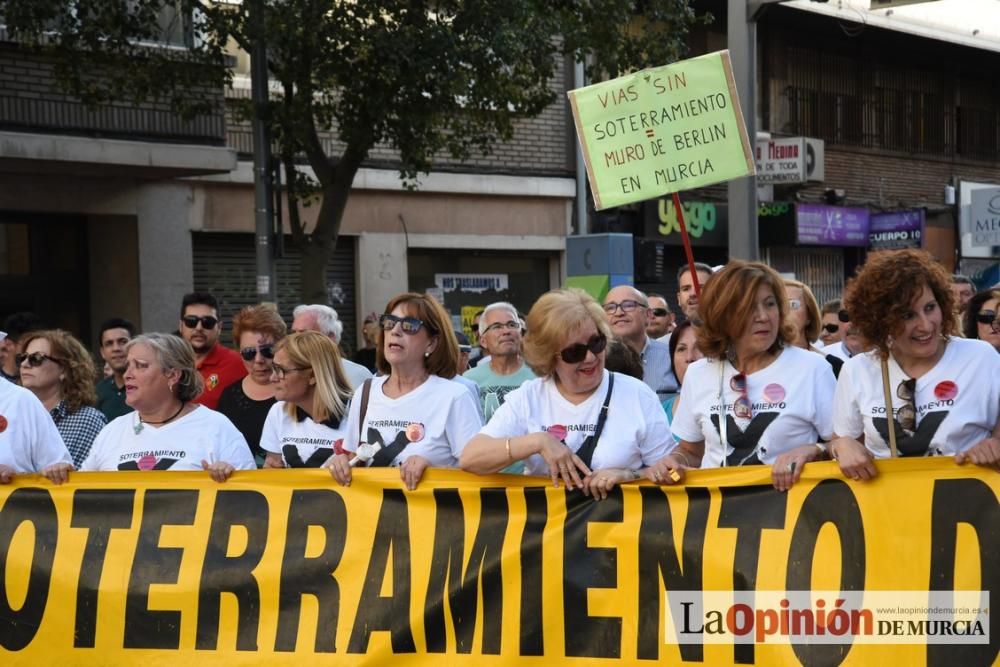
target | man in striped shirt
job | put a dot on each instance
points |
(628, 312)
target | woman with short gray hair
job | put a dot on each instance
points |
(167, 431)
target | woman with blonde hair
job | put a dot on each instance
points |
(167, 431)
(804, 315)
(577, 423)
(256, 330)
(412, 415)
(755, 398)
(306, 426)
(59, 371)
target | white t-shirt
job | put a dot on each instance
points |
(838, 350)
(436, 420)
(790, 401)
(301, 442)
(182, 444)
(957, 401)
(635, 433)
(29, 440)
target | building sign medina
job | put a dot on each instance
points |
(984, 217)
(789, 160)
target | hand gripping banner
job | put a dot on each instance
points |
(287, 568)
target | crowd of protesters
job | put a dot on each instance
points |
(590, 395)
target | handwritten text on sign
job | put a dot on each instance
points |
(662, 130)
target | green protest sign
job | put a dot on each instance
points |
(662, 130)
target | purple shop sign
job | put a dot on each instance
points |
(898, 229)
(816, 224)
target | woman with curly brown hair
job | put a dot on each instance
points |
(59, 371)
(774, 398)
(943, 391)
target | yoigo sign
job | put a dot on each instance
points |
(706, 222)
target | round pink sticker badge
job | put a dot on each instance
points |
(415, 432)
(946, 390)
(147, 462)
(557, 431)
(774, 393)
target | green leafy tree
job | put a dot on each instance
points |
(425, 78)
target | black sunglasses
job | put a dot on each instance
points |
(831, 328)
(660, 312)
(250, 353)
(577, 352)
(986, 316)
(207, 321)
(35, 359)
(410, 325)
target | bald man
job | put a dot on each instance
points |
(628, 312)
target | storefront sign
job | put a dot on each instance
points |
(662, 130)
(984, 218)
(898, 229)
(790, 160)
(471, 282)
(706, 222)
(817, 224)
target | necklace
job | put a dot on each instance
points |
(140, 424)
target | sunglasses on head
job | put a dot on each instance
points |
(35, 359)
(741, 407)
(409, 325)
(831, 328)
(250, 353)
(207, 321)
(574, 354)
(660, 312)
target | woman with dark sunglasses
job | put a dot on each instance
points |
(413, 415)
(256, 330)
(982, 317)
(944, 390)
(774, 398)
(59, 371)
(576, 423)
(29, 440)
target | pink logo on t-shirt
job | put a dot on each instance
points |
(946, 391)
(147, 462)
(415, 432)
(774, 393)
(3, 423)
(557, 431)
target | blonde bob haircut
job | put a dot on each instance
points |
(173, 353)
(727, 304)
(313, 350)
(556, 316)
(443, 361)
(814, 319)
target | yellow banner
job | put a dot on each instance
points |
(275, 567)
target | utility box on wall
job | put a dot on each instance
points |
(597, 262)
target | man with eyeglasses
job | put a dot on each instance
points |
(324, 319)
(628, 312)
(505, 371)
(661, 319)
(114, 336)
(219, 366)
(851, 344)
